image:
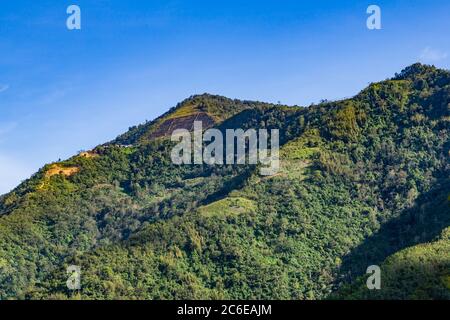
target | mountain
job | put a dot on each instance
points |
(209, 109)
(363, 181)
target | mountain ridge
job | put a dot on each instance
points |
(360, 179)
(216, 108)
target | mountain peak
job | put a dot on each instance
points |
(208, 108)
(416, 70)
(360, 179)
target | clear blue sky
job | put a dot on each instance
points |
(62, 91)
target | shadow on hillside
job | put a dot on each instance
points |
(236, 183)
(422, 223)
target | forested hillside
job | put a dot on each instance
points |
(363, 181)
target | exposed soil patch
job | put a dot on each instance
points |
(57, 169)
(168, 126)
(88, 154)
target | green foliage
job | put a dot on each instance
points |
(228, 206)
(360, 180)
(420, 272)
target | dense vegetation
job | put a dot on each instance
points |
(419, 272)
(363, 181)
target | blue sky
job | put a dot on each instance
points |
(63, 91)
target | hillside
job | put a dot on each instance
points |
(211, 110)
(419, 272)
(363, 181)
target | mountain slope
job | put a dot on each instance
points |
(360, 179)
(419, 272)
(209, 109)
